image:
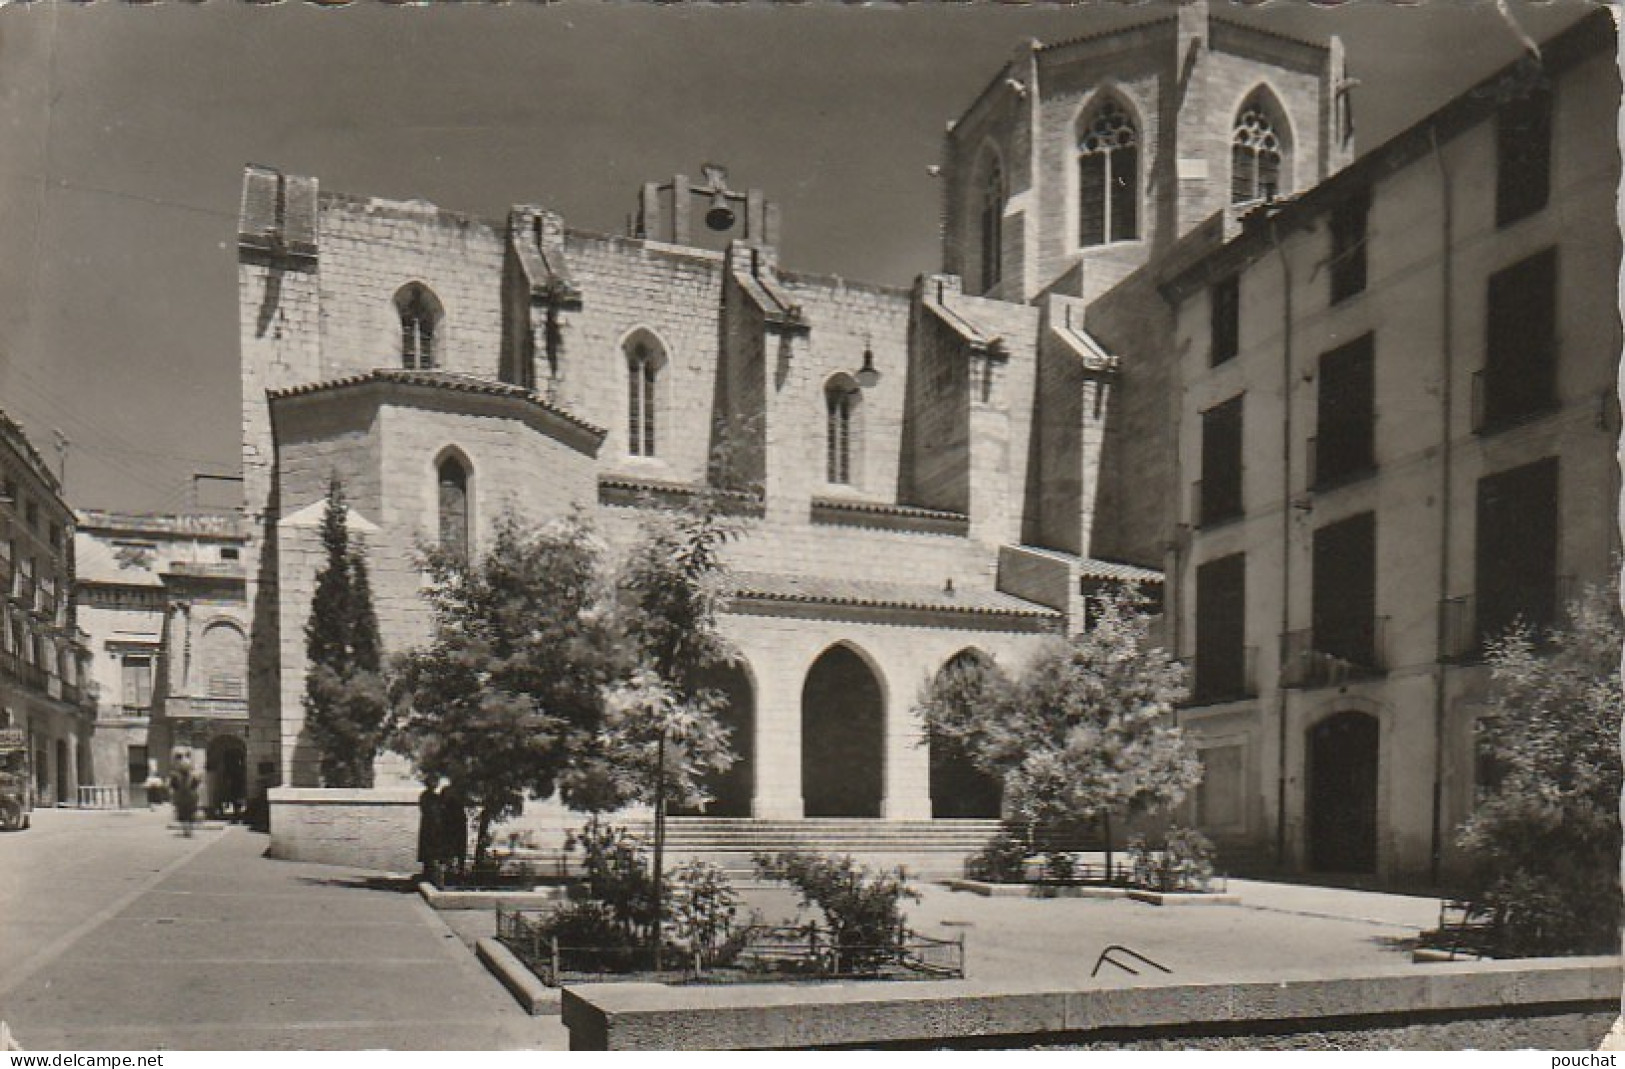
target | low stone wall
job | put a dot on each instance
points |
(657, 1017)
(378, 828)
(365, 829)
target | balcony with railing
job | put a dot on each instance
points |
(1466, 629)
(31, 676)
(1357, 654)
(201, 569)
(1215, 680)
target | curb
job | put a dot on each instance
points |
(536, 997)
(489, 900)
(1185, 898)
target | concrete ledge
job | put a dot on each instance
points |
(536, 997)
(515, 899)
(1430, 955)
(1185, 898)
(1034, 890)
(765, 1016)
(988, 890)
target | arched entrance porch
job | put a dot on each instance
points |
(843, 716)
(958, 787)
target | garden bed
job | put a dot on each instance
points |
(500, 872)
(760, 954)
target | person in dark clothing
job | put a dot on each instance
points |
(453, 829)
(429, 832)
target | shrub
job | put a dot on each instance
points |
(1544, 838)
(1000, 861)
(862, 909)
(1060, 866)
(704, 906)
(617, 871)
(1184, 862)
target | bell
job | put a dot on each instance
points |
(720, 216)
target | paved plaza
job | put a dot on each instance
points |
(122, 934)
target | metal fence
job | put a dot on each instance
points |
(498, 873)
(760, 953)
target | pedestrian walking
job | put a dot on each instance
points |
(183, 788)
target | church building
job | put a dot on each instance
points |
(931, 472)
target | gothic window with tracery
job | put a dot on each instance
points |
(841, 400)
(420, 321)
(1258, 155)
(643, 363)
(992, 219)
(1108, 178)
(454, 511)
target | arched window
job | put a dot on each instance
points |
(1258, 152)
(420, 314)
(644, 359)
(1108, 177)
(222, 657)
(992, 228)
(453, 479)
(841, 401)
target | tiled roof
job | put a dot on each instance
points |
(766, 586)
(1093, 568)
(887, 508)
(1117, 572)
(444, 380)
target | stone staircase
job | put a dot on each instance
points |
(927, 849)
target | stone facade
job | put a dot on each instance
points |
(44, 689)
(929, 470)
(1439, 439)
(891, 559)
(954, 465)
(161, 601)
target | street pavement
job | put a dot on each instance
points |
(118, 933)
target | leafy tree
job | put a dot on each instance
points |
(1545, 838)
(1085, 732)
(345, 701)
(508, 696)
(662, 733)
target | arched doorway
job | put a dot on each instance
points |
(1343, 793)
(732, 791)
(226, 767)
(843, 716)
(958, 787)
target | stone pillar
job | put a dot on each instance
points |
(778, 744)
(907, 773)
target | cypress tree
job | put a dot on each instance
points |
(344, 694)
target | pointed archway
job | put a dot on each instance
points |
(843, 716)
(958, 788)
(732, 791)
(1342, 798)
